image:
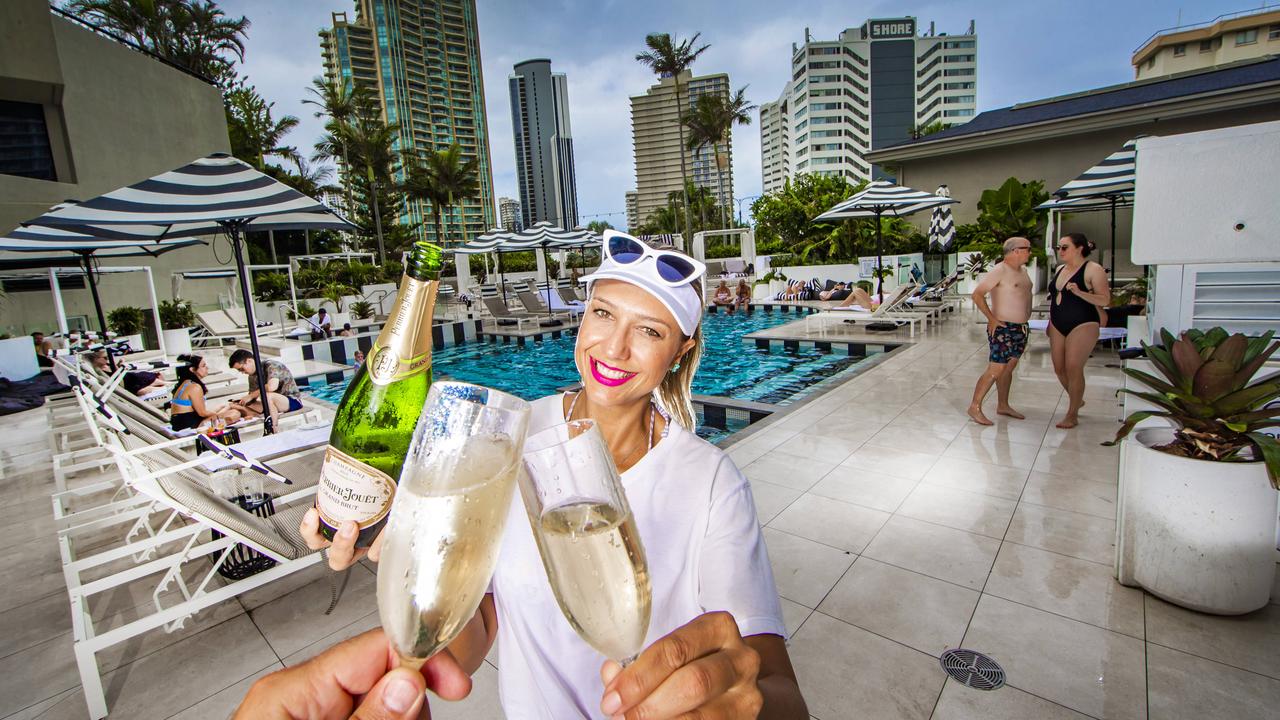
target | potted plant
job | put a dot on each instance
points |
(361, 309)
(128, 322)
(774, 282)
(1198, 500)
(176, 320)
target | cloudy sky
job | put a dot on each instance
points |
(1026, 51)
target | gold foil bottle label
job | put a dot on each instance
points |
(404, 345)
(350, 490)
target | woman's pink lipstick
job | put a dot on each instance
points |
(608, 381)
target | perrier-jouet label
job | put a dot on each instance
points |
(374, 424)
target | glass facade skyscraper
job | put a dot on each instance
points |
(422, 60)
(543, 144)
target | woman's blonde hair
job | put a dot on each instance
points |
(675, 394)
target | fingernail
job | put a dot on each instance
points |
(612, 702)
(399, 696)
(348, 529)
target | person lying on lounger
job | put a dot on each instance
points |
(857, 297)
(841, 291)
(139, 383)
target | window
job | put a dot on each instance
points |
(958, 113)
(1180, 49)
(957, 72)
(1206, 46)
(957, 58)
(1151, 62)
(958, 44)
(24, 141)
(1247, 37)
(1274, 33)
(958, 99)
(824, 51)
(957, 86)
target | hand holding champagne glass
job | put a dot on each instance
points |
(441, 542)
(587, 537)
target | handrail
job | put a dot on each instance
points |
(127, 43)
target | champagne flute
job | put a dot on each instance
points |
(442, 539)
(587, 537)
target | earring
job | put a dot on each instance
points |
(675, 367)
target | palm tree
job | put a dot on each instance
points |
(369, 143)
(255, 134)
(310, 180)
(668, 58)
(443, 178)
(711, 122)
(196, 35)
(338, 103)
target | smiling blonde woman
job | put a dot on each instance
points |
(715, 646)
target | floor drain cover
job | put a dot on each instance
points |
(972, 669)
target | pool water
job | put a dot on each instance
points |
(730, 367)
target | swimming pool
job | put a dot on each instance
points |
(730, 367)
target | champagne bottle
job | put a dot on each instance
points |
(375, 421)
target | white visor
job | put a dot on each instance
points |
(681, 300)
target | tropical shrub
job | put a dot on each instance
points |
(304, 310)
(361, 309)
(176, 314)
(1010, 210)
(1207, 392)
(127, 320)
(271, 286)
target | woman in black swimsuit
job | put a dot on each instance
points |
(1078, 292)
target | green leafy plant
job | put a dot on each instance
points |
(310, 279)
(1207, 394)
(176, 314)
(304, 310)
(974, 265)
(1010, 210)
(1130, 292)
(361, 309)
(866, 285)
(271, 286)
(127, 320)
(334, 292)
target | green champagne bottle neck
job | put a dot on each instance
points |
(425, 260)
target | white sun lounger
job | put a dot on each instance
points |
(177, 549)
(888, 311)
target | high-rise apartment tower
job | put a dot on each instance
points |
(656, 140)
(421, 58)
(872, 87)
(544, 144)
(509, 214)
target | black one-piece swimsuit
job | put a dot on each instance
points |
(1067, 311)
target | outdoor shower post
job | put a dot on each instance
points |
(233, 231)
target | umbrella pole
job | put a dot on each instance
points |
(233, 230)
(97, 305)
(1112, 279)
(879, 260)
(502, 285)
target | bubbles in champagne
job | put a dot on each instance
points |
(586, 548)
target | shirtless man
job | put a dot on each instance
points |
(1007, 331)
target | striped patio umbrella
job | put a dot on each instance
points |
(539, 236)
(217, 193)
(57, 245)
(942, 227)
(1106, 186)
(878, 199)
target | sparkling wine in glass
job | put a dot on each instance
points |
(441, 541)
(587, 537)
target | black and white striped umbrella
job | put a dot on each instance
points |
(539, 236)
(878, 199)
(942, 227)
(56, 245)
(1108, 185)
(218, 193)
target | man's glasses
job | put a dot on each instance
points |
(673, 269)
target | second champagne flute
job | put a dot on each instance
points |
(587, 537)
(442, 540)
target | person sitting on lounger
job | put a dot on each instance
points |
(44, 349)
(188, 409)
(723, 296)
(321, 325)
(141, 383)
(282, 391)
(346, 330)
(742, 297)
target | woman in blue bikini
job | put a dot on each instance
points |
(188, 408)
(1078, 293)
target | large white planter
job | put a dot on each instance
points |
(1199, 534)
(177, 342)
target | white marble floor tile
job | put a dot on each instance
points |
(921, 612)
(804, 571)
(959, 509)
(1187, 687)
(944, 553)
(831, 522)
(1087, 537)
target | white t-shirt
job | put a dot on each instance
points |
(324, 322)
(696, 518)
